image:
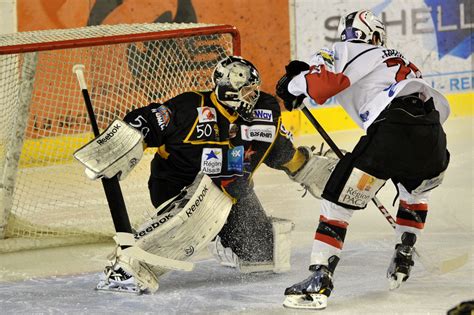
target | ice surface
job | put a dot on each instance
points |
(61, 280)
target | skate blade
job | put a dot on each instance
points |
(104, 286)
(310, 301)
(396, 281)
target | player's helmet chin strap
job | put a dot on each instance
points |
(237, 85)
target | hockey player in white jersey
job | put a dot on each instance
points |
(384, 93)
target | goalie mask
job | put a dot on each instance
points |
(237, 85)
(360, 26)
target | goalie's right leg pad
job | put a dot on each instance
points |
(183, 226)
(187, 224)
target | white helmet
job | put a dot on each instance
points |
(361, 26)
(237, 85)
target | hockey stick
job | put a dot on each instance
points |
(339, 154)
(443, 266)
(116, 202)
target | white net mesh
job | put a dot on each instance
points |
(45, 197)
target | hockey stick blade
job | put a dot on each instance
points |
(440, 266)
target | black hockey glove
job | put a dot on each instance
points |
(291, 101)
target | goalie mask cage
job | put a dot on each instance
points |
(45, 198)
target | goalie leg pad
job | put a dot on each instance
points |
(315, 172)
(281, 251)
(187, 224)
(282, 244)
(127, 273)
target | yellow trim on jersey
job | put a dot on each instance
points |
(234, 200)
(268, 150)
(225, 114)
(162, 152)
(230, 117)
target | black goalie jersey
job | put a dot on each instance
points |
(194, 132)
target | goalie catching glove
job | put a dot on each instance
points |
(114, 152)
(291, 101)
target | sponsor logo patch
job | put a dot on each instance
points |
(235, 159)
(262, 115)
(162, 115)
(233, 129)
(206, 114)
(359, 188)
(211, 160)
(258, 132)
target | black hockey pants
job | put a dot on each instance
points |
(406, 143)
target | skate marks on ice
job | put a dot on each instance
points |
(360, 288)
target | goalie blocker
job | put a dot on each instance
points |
(182, 227)
(115, 151)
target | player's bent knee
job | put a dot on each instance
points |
(352, 191)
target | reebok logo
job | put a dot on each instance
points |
(153, 226)
(197, 202)
(107, 136)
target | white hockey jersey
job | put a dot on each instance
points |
(364, 79)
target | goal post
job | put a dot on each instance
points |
(45, 198)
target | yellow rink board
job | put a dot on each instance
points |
(332, 118)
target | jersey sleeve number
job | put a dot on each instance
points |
(404, 69)
(140, 123)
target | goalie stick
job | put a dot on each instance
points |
(443, 266)
(118, 210)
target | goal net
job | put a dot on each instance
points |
(45, 198)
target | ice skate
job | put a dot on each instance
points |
(114, 278)
(402, 261)
(313, 292)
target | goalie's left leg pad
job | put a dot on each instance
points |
(188, 224)
(281, 251)
(282, 229)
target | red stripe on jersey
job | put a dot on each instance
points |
(411, 223)
(323, 84)
(414, 206)
(341, 224)
(328, 240)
